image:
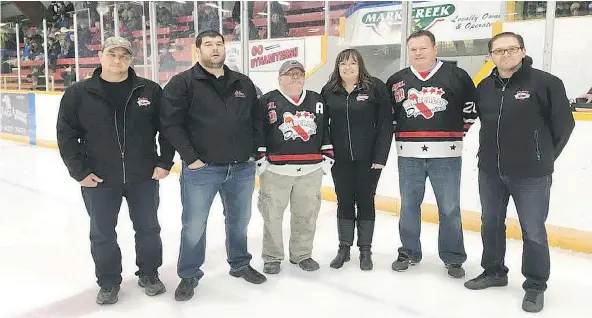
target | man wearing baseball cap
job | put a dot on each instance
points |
(106, 133)
(295, 154)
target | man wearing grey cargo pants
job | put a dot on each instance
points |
(296, 153)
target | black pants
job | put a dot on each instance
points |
(355, 185)
(531, 197)
(103, 204)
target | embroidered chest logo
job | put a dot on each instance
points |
(300, 125)
(239, 94)
(362, 97)
(522, 95)
(426, 102)
(143, 102)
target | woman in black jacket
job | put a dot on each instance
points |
(361, 131)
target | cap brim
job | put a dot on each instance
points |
(109, 48)
(292, 67)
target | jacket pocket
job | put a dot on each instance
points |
(537, 145)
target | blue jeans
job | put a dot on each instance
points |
(531, 197)
(444, 174)
(235, 183)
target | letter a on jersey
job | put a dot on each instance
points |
(319, 109)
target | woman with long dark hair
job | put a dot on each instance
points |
(361, 129)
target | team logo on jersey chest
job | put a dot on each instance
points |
(143, 102)
(300, 125)
(522, 95)
(424, 103)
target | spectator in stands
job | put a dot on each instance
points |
(166, 59)
(37, 52)
(27, 49)
(67, 46)
(54, 50)
(62, 21)
(116, 102)
(195, 119)
(517, 153)
(278, 26)
(361, 128)
(207, 19)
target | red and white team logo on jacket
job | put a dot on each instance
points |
(300, 125)
(426, 102)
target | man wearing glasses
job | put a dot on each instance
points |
(526, 122)
(296, 151)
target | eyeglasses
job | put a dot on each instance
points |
(294, 74)
(512, 50)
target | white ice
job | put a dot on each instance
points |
(46, 268)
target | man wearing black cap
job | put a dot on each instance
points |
(296, 151)
(106, 131)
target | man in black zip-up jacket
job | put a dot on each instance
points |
(106, 133)
(526, 121)
(211, 116)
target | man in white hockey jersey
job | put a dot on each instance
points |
(434, 105)
(296, 154)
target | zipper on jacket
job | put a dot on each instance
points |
(499, 117)
(351, 151)
(536, 143)
(122, 146)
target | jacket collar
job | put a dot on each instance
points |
(200, 73)
(94, 83)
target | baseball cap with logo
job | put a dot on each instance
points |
(115, 42)
(290, 64)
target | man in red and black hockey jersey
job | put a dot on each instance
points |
(296, 153)
(434, 106)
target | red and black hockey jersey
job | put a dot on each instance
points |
(295, 132)
(433, 110)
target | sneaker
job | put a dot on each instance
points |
(309, 264)
(455, 270)
(185, 290)
(402, 263)
(271, 268)
(534, 301)
(108, 295)
(152, 284)
(484, 281)
(249, 274)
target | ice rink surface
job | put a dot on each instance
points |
(46, 269)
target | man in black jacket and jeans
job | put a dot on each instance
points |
(106, 131)
(211, 116)
(526, 122)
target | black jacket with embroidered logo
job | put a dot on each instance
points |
(360, 123)
(119, 147)
(203, 124)
(432, 114)
(526, 122)
(296, 133)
